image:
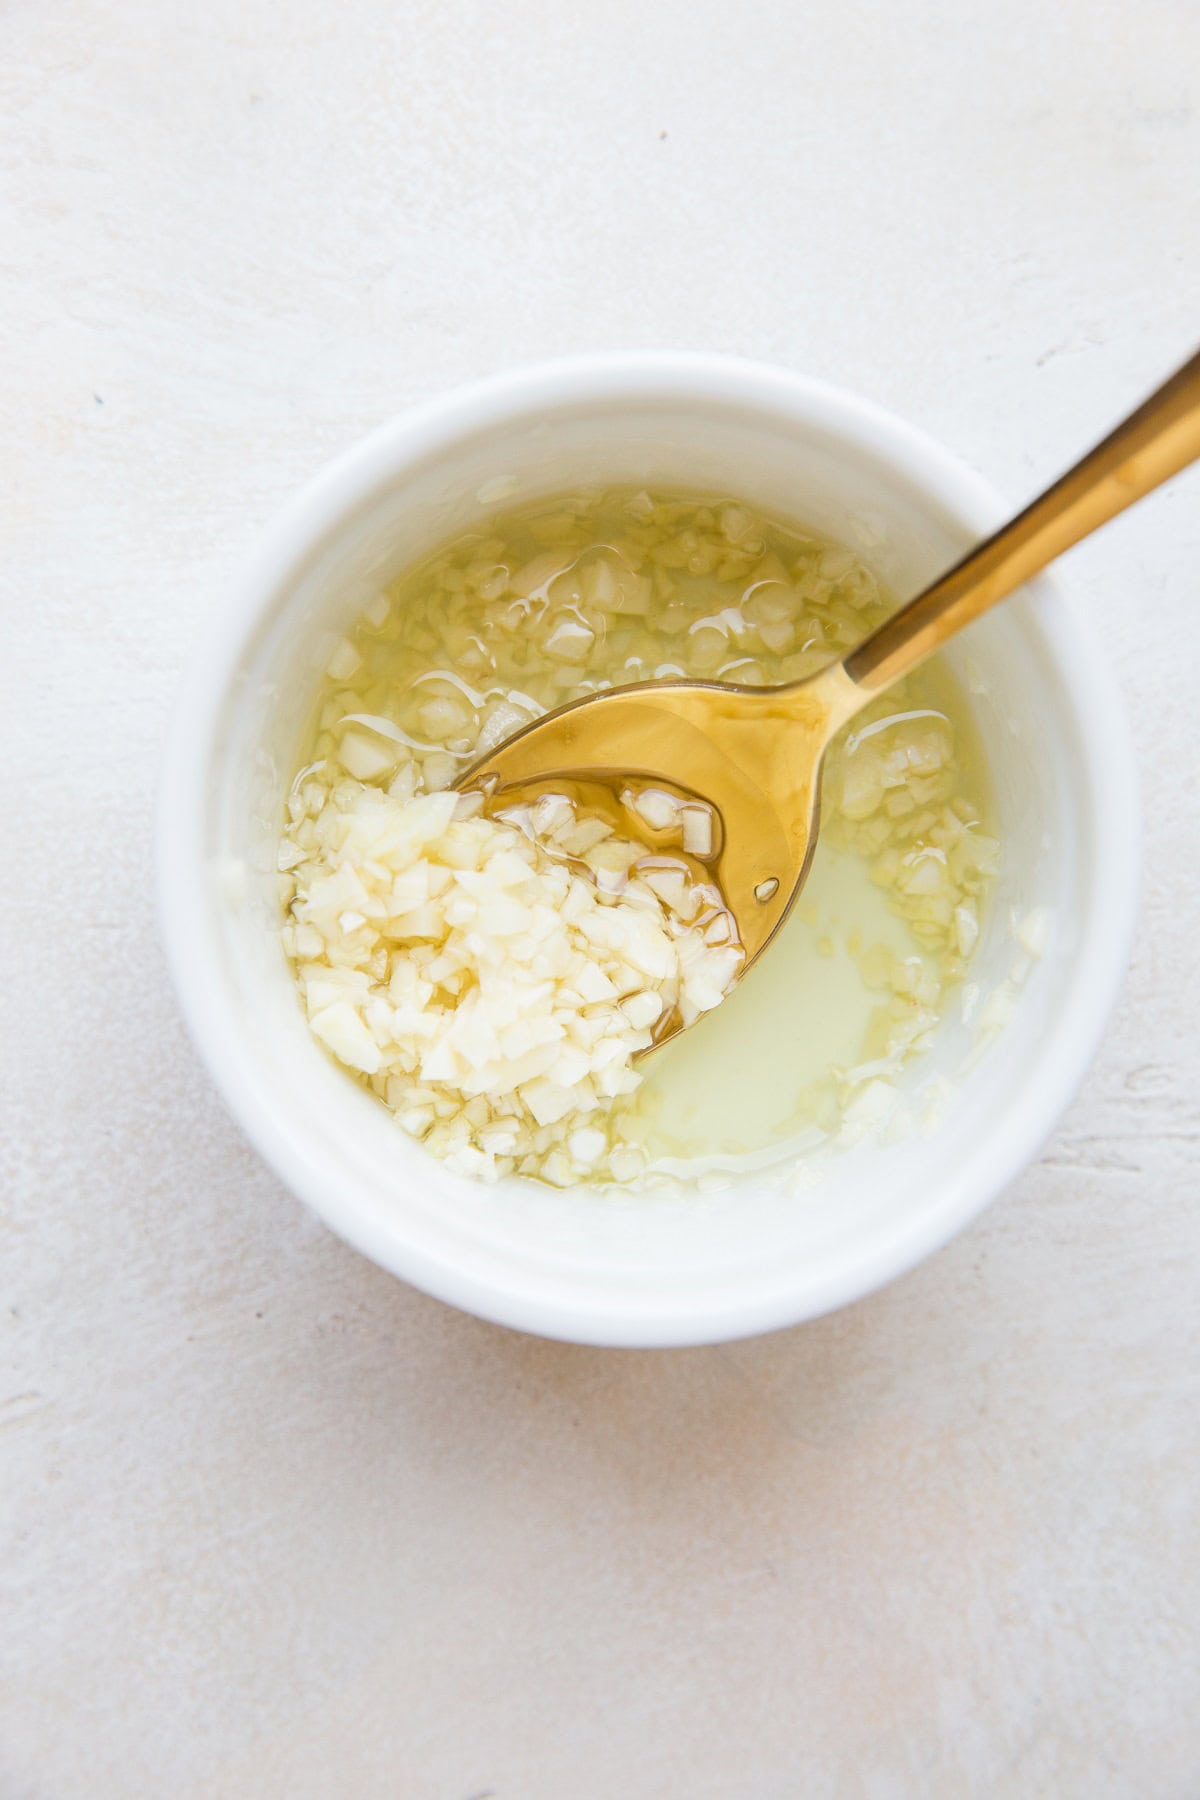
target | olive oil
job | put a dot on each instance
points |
(549, 602)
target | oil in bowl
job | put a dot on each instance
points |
(525, 1054)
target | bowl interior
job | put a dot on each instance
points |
(775, 1247)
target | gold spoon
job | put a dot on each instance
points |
(755, 753)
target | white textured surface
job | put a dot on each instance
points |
(280, 1527)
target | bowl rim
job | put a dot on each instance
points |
(190, 936)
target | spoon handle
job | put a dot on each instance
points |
(1153, 443)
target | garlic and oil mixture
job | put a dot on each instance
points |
(493, 979)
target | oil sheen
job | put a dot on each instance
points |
(548, 602)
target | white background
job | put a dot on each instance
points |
(281, 1528)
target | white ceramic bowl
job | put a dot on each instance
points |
(574, 1265)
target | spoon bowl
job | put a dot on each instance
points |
(752, 754)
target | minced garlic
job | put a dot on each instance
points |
(494, 995)
(422, 933)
